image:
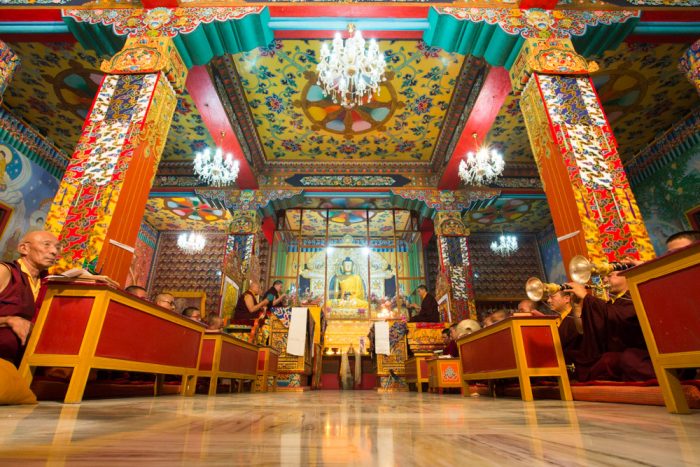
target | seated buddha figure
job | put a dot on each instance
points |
(347, 286)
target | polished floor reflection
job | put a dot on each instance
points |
(356, 428)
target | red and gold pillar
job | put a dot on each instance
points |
(8, 64)
(455, 263)
(593, 208)
(690, 64)
(99, 205)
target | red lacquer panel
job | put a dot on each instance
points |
(424, 373)
(237, 359)
(132, 334)
(206, 360)
(65, 325)
(539, 347)
(672, 304)
(493, 352)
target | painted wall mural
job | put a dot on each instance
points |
(500, 276)
(175, 270)
(666, 196)
(26, 192)
(298, 126)
(552, 262)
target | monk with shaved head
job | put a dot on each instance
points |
(20, 282)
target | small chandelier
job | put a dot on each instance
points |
(506, 246)
(481, 167)
(217, 170)
(348, 72)
(191, 242)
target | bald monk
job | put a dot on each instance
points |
(248, 309)
(20, 282)
(612, 345)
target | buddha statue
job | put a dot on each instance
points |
(346, 285)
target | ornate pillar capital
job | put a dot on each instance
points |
(245, 222)
(149, 55)
(551, 56)
(450, 223)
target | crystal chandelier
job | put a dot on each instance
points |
(191, 242)
(481, 167)
(217, 170)
(348, 72)
(506, 246)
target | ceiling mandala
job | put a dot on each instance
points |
(295, 122)
(185, 213)
(55, 85)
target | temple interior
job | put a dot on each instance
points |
(474, 151)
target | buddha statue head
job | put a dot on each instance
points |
(347, 266)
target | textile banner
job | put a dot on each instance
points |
(296, 338)
(381, 338)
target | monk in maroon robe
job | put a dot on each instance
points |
(20, 282)
(612, 346)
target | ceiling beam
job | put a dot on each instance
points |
(543, 4)
(203, 92)
(493, 93)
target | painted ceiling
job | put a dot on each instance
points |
(54, 88)
(510, 215)
(185, 213)
(636, 83)
(296, 122)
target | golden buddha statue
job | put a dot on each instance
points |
(348, 287)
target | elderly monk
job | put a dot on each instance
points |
(429, 312)
(612, 345)
(247, 309)
(20, 282)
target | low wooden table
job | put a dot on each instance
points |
(515, 348)
(224, 356)
(666, 296)
(443, 373)
(417, 370)
(266, 373)
(87, 326)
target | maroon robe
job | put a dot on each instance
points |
(241, 315)
(612, 346)
(429, 311)
(451, 349)
(16, 300)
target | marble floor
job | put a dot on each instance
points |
(345, 428)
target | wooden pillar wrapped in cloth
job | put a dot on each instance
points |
(455, 263)
(594, 211)
(99, 205)
(8, 64)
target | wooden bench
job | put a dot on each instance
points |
(444, 373)
(91, 326)
(666, 295)
(514, 348)
(224, 356)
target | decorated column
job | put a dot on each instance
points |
(455, 263)
(8, 64)
(101, 200)
(594, 211)
(690, 64)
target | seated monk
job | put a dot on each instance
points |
(449, 336)
(612, 345)
(20, 282)
(429, 312)
(248, 309)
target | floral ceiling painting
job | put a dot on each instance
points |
(185, 213)
(636, 83)
(296, 122)
(510, 215)
(55, 85)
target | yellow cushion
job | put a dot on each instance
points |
(13, 389)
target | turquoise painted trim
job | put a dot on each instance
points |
(27, 27)
(340, 24)
(207, 41)
(664, 28)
